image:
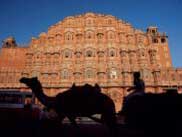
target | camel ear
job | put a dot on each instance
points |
(73, 86)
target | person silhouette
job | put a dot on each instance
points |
(138, 87)
(138, 90)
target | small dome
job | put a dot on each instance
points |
(9, 42)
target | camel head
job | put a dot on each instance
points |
(30, 82)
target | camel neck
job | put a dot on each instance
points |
(42, 97)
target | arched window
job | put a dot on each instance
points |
(111, 35)
(78, 54)
(89, 53)
(78, 37)
(77, 76)
(35, 73)
(65, 74)
(100, 35)
(112, 74)
(89, 35)
(153, 31)
(100, 54)
(163, 40)
(67, 54)
(58, 38)
(112, 53)
(69, 36)
(101, 75)
(143, 53)
(109, 21)
(29, 56)
(155, 41)
(89, 21)
(89, 73)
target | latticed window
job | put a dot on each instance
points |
(77, 76)
(112, 53)
(78, 54)
(101, 54)
(79, 37)
(111, 35)
(58, 37)
(155, 40)
(100, 36)
(89, 74)
(65, 74)
(69, 37)
(89, 53)
(89, 35)
(54, 75)
(112, 74)
(101, 75)
(163, 40)
(35, 74)
(45, 75)
(67, 54)
(29, 56)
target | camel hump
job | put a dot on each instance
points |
(85, 89)
(91, 89)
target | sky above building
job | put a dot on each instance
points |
(24, 19)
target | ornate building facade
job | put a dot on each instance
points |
(91, 48)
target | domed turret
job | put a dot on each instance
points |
(9, 42)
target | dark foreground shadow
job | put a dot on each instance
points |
(156, 114)
(47, 128)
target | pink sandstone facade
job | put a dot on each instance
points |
(91, 48)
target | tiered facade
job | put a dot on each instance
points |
(91, 48)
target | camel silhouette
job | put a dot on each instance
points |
(78, 101)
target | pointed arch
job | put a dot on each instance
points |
(89, 52)
(69, 36)
(65, 74)
(89, 34)
(111, 35)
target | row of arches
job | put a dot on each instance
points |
(68, 53)
(91, 52)
(90, 73)
(88, 35)
(159, 40)
(91, 35)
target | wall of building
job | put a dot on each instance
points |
(91, 48)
